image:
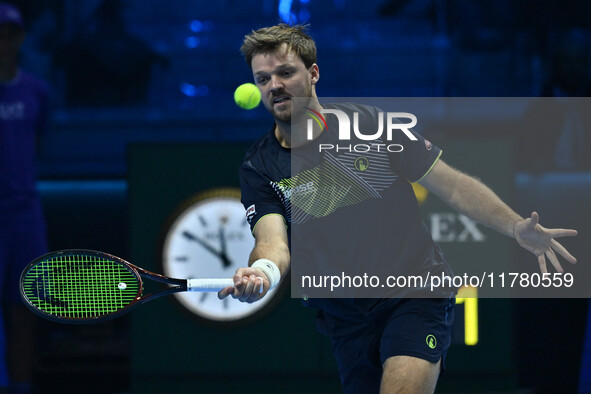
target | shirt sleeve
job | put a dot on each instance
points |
(417, 157)
(258, 195)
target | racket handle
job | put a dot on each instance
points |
(209, 284)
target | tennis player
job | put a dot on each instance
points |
(380, 344)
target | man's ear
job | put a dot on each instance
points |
(314, 73)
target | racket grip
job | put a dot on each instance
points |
(209, 284)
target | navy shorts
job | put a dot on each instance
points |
(417, 327)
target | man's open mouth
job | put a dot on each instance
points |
(280, 99)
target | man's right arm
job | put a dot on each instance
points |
(271, 244)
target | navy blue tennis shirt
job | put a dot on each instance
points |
(346, 210)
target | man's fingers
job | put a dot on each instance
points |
(535, 219)
(542, 263)
(225, 292)
(554, 260)
(562, 251)
(239, 288)
(258, 285)
(249, 286)
(253, 289)
(541, 242)
(256, 290)
(562, 232)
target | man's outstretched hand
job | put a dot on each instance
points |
(541, 241)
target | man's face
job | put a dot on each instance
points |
(281, 75)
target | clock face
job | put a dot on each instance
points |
(209, 237)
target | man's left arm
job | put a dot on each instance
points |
(472, 198)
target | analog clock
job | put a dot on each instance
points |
(208, 237)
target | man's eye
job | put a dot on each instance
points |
(261, 81)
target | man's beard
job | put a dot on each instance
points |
(283, 116)
(286, 115)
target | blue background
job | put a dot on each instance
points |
(180, 62)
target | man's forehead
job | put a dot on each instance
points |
(281, 56)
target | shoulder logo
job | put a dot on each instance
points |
(250, 212)
(361, 163)
(428, 145)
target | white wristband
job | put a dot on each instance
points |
(270, 269)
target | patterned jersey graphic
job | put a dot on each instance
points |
(337, 182)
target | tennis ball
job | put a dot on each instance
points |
(247, 96)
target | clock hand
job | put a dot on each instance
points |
(223, 255)
(201, 242)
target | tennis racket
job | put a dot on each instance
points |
(87, 286)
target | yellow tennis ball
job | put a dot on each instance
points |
(247, 96)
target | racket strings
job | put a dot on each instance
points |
(80, 286)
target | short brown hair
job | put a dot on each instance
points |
(268, 39)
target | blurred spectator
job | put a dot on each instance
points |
(474, 25)
(557, 133)
(569, 67)
(23, 117)
(105, 65)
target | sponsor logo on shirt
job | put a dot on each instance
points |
(250, 212)
(361, 163)
(300, 190)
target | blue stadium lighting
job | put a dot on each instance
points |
(304, 15)
(188, 90)
(191, 90)
(192, 42)
(196, 26)
(285, 11)
(202, 90)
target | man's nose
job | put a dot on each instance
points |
(276, 83)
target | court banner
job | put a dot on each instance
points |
(414, 197)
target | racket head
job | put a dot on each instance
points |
(80, 286)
